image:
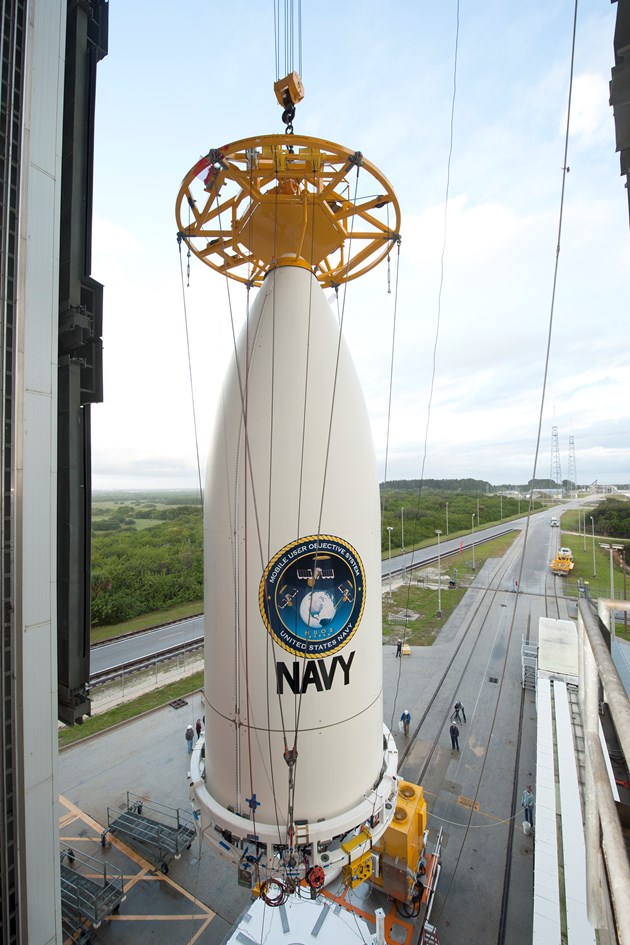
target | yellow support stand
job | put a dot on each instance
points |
(353, 874)
(357, 871)
(403, 844)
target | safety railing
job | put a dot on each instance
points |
(603, 833)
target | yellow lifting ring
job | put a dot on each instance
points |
(287, 200)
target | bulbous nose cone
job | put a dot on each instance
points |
(293, 651)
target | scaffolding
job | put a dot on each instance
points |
(90, 889)
(157, 832)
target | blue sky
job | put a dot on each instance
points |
(181, 78)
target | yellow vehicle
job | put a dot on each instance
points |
(563, 563)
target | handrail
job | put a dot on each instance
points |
(597, 667)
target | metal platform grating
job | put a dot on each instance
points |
(579, 930)
(546, 887)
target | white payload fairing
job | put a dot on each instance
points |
(296, 771)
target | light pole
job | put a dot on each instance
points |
(610, 549)
(625, 591)
(478, 519)
(447, 519)
(583, 526)
(472, 528)
(402, 529)
(439, 613)
(593, 530)
(614, 548)
(389, 536)
(612, 580)
(501, 497)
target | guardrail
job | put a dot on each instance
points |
(145, 662)
(432, 559)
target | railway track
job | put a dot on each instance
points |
(437, 717)
(487, 598)
(551, 603)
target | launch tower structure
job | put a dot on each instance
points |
(296, 775)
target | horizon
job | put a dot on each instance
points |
(152, 490)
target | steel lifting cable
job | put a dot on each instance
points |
(437, 324)
(276, 37)
(338, 355)
(357, 162)
(291, 35)
(389, 408)
(565, 171)
(190, 376)
(288, 37)
(391, 383)
(391, 366)
(252, 799)
(300, 38)
(291, 755)
(243, 385)
(271, 643)
(243, 390)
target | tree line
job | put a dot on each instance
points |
(415, 517)
(611, 518)
(147, 556)
(139, 571)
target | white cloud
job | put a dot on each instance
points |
(590, 111)
(388, 93)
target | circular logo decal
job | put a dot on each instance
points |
(312, 595)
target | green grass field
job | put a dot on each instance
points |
(131, 709)
(422, 602)
(594, 572)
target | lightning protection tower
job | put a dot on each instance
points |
(556, 471)
(572, 473)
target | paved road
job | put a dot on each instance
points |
(144, 645)
(448, 546)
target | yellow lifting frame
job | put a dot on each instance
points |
(275, 200)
